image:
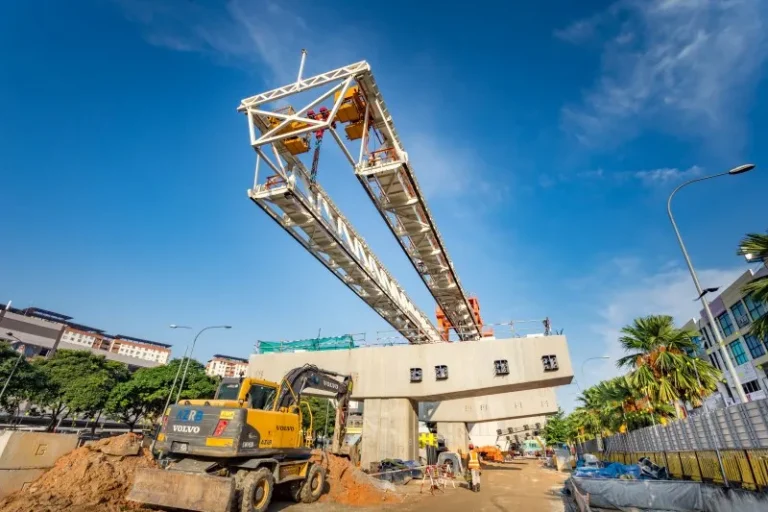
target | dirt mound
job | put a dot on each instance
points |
(348, 485)
(93, 478)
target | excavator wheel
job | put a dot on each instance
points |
(313, 485)
(257, 491)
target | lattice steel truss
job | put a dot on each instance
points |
(296, 202)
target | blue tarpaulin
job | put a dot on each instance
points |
(613, 470)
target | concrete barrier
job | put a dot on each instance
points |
(24, 456)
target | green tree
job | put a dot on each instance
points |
(614, 405)
(197, 384)
(78, 382)
(323, 411)
(126, 403)
(145, 393)
(557, 429)
(660, 364)
(25, 383)
(756, 245)
(662, 373)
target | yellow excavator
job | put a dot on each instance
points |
(232, 452)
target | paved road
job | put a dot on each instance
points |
(520, 486)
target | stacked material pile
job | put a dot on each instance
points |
(93, 478)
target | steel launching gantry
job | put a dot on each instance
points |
(296, 201)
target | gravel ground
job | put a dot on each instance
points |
(522, 485)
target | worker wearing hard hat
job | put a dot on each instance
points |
(474, 467)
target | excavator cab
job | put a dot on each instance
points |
(249, 393)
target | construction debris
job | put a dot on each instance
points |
(97, 477)
(348, 485)
(93, 478)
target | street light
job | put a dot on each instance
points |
(710, 318)
(191, 350)
(15, 365)
(178, 372)
(173, 386)
(585, 362)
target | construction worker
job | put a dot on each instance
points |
(474, 467)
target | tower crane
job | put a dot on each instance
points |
(294, 199)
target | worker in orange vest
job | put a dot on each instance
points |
(474, 467)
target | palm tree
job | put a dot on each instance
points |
(614, 405)
(660, 364)
(756, 245)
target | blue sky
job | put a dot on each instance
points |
(546, 137)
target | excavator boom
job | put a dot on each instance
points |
(298, 380)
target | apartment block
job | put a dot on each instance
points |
(140, 348)
(226, 366)
(734, 311)
(81, 335)
(42, 332)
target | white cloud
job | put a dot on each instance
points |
(579, 31)
(594, 174)
(266, 35)
(666, 175)
(439, 171)
(240, 33)
(686, 66)
(446, 170)
(651, 178)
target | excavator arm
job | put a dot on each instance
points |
(309, 377)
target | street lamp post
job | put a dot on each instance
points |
(173, 386)
(15, 365)
(178, 371)
(191, 350)
(708, 312)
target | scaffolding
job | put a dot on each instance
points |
(343, 342)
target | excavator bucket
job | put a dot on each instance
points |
(182, 490)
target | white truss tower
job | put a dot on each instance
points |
(309, 215)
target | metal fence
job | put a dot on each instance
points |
(726, 446)
(740, 426)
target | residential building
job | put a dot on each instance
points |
(140, 349)
(734, 311)
(226, 366)
(81, 335)
(42, 332)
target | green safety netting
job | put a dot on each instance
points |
(330, 343)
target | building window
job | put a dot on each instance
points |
(725, 322)
(754, 345)
(715, 362)
(692, 351)
(755, 307)
(751, 386)
(737, 352)
(740, 314)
